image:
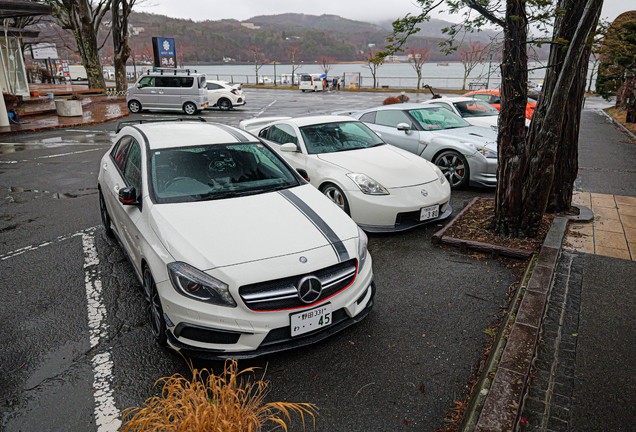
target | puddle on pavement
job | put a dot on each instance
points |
(53, 142)
(56, 195)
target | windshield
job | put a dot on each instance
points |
(340, 136)
(475, 108)
(437, 119)
(216, 171)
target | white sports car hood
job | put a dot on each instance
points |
(218, 233)
(473, 134)
(388, 165)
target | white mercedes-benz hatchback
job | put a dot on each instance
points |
(383, 188)
(238, 256)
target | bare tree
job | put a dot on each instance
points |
(83, 19)
(120, 11)
(292, 55)
(417, 58)
(374, 61)
(472, 56)
(326, 64)
(258, 60)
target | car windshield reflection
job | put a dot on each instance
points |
(339, 136)
(476, 108)
(437, 119)
(216, 171)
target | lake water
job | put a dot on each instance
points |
(395, 75)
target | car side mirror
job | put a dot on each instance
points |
(403, 127)
(138, 85)
(303, 173)
(289, 147)
(128, 196)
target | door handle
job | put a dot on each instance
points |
(105, 167)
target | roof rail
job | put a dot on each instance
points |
(125, 123)
(173, 70)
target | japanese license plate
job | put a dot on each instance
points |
(310, 320)
(429, 212)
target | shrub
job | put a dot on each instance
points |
(229, 402)
(395, 100)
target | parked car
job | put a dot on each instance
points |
(224, 95)
(474, 111)
(312, 82)
(465, 153)
(493, 97)
(237, 255)
(382, 188)
(172, 91)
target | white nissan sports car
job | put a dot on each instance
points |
(383, 188)
(238, 256)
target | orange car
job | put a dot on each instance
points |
(493, 97)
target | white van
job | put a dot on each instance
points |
(77, 73)
(175, 90)
(311, 82)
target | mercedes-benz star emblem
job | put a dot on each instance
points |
(302, 259)
(424, 192)
(309, 289)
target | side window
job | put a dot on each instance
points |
(282, 134)
(481, 96)
(187, 81)
(120, 152)
(167, 81)
(368, 117)
(495, 99)
(212, 86)
(147, 82)
(132, 172)
(391, 118)
(263, 132)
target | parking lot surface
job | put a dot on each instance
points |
(77, 349)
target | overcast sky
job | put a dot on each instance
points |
(360, 10)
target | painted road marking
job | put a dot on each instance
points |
(47, 243)
(106, 412)
(265, 109)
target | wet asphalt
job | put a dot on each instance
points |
(401, 368)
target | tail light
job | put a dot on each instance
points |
(235, 92)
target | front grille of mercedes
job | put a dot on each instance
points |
(282, 294)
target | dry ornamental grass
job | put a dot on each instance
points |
(229, 402)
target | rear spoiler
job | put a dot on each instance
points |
(250, 125)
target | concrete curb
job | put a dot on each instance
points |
(627, 131)
(502, 398)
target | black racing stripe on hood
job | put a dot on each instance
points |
(330, 235)
(239, 136)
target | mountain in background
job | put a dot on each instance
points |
(209, 42)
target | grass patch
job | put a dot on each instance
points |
(230, 402)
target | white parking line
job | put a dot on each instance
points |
(47, 243)
(106, 412)
(57, 155)
(264, 109)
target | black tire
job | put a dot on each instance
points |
(154, 309)
(189, 108)
(134, 106)
(335, 194)
(455, 167)
(105, 216)
(224, 104)
(303, 90)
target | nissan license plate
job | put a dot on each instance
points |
(310, 320)
(430, 212)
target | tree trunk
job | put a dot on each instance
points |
(511, 141)
(547, 133)
(86, 40)
(120, 10)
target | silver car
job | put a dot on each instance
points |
(175, 90)
(465, 153)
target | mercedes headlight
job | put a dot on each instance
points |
(485, 152)
(367, 185)
(362, 248)
(197, 285)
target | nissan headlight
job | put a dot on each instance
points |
(197, 285)
(367, 185)
(485, 152)
(362, 247)
(440, 174)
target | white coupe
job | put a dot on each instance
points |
(382, 187)
(238, 256)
